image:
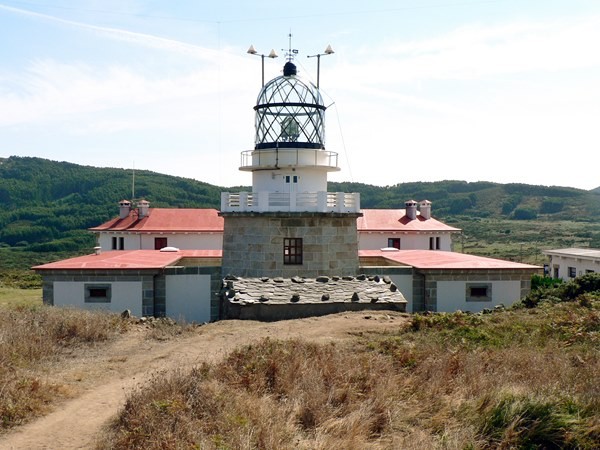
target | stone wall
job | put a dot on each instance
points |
(253, 244)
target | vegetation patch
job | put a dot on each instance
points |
(524, 421)
(522, 378)
(32, 336)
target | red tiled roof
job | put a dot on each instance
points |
(435, 259)
(396, 220)
(208, 220)
(128, 260)
(167, 219)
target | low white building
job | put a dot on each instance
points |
(174, 283)
(569, 263)
(145, 228)
(404, 229)
(444, 281)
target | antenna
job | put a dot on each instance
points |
(291, 52)
(133, 182)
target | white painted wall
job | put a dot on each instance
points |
(451, 295)
(201, 241)
(405, 285)
(195, 241)
(124, 295)
(309, 180)
(376, 241)
(581, 266)
(188, 298)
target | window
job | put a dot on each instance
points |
(434, 243)
(97, 293)
(572, 271)
(589, 271)
(290, 178)
(394, 243)
(118, 243)
(556, 272)
(292, 250)
(479, 292)
(160, 242)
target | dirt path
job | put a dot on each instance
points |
(100, 380)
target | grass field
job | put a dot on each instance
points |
(522, 240)
(20, 297)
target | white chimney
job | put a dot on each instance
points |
(124, 209)
(411, 209)
(425, 209)
(143, 207)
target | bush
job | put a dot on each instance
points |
(524, 214)
(521, 421)
(566, 292)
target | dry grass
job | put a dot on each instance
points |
(31, 336)
(515, 379)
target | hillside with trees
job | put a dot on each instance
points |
(47, 206)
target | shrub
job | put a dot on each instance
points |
(586, 284)
(524, 214)
(522, 421)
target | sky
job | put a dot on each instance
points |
(417, 90)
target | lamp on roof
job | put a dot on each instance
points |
(328, 51)
(272, 55)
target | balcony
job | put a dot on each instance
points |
(288, 157)
(339, 202)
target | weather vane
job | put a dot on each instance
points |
(291, 53)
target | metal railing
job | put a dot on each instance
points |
(290, 201)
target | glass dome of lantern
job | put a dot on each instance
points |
(289, 113)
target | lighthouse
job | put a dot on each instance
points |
(289, 224)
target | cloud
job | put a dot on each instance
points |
(476, 52)
(143, 39)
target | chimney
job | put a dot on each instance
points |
(124, 209)
(97, 250)
(411, 209)
(143, 207)
(425, 209)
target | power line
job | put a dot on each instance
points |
(259, 19)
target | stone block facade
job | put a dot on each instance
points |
(253, 244)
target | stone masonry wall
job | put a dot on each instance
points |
(253, 244)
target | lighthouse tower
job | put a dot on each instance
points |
(289, 225)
